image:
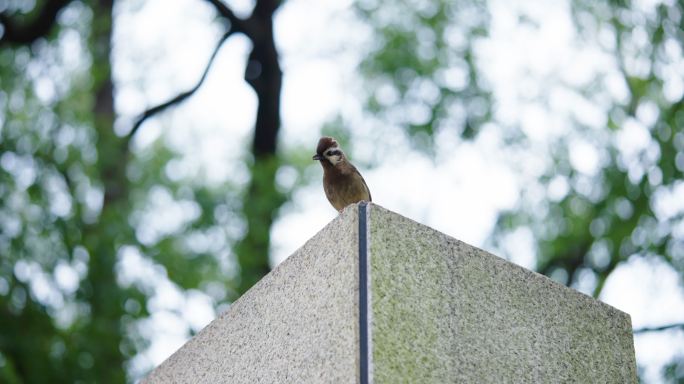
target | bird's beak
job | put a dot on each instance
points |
(317, 157)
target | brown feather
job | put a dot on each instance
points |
(324, 143)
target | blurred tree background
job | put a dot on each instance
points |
(78, 196)
(585, 221)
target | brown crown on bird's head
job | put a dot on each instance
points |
(324, 143)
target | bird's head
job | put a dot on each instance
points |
(328, 151)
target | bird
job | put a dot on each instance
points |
(342, 182)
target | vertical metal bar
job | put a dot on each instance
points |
(363, 294)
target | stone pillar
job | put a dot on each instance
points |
(377, 298)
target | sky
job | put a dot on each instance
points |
(320, 42)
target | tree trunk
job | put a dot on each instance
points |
(262, 201)
(103, 336)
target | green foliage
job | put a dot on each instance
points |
(613, 215)
(37, 212)
(74, 199)
(420, 71)
(674, 372)
(260, 206)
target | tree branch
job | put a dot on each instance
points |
(26, 33)
(182, 96)
(236, 24)
(660, 328)
(266, 8)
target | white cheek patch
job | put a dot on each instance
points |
(334, 159)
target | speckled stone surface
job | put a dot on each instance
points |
(299, 324)
(440, 311)
(447, 312)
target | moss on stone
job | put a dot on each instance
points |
(443, 311)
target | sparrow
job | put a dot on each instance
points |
(342, 182)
